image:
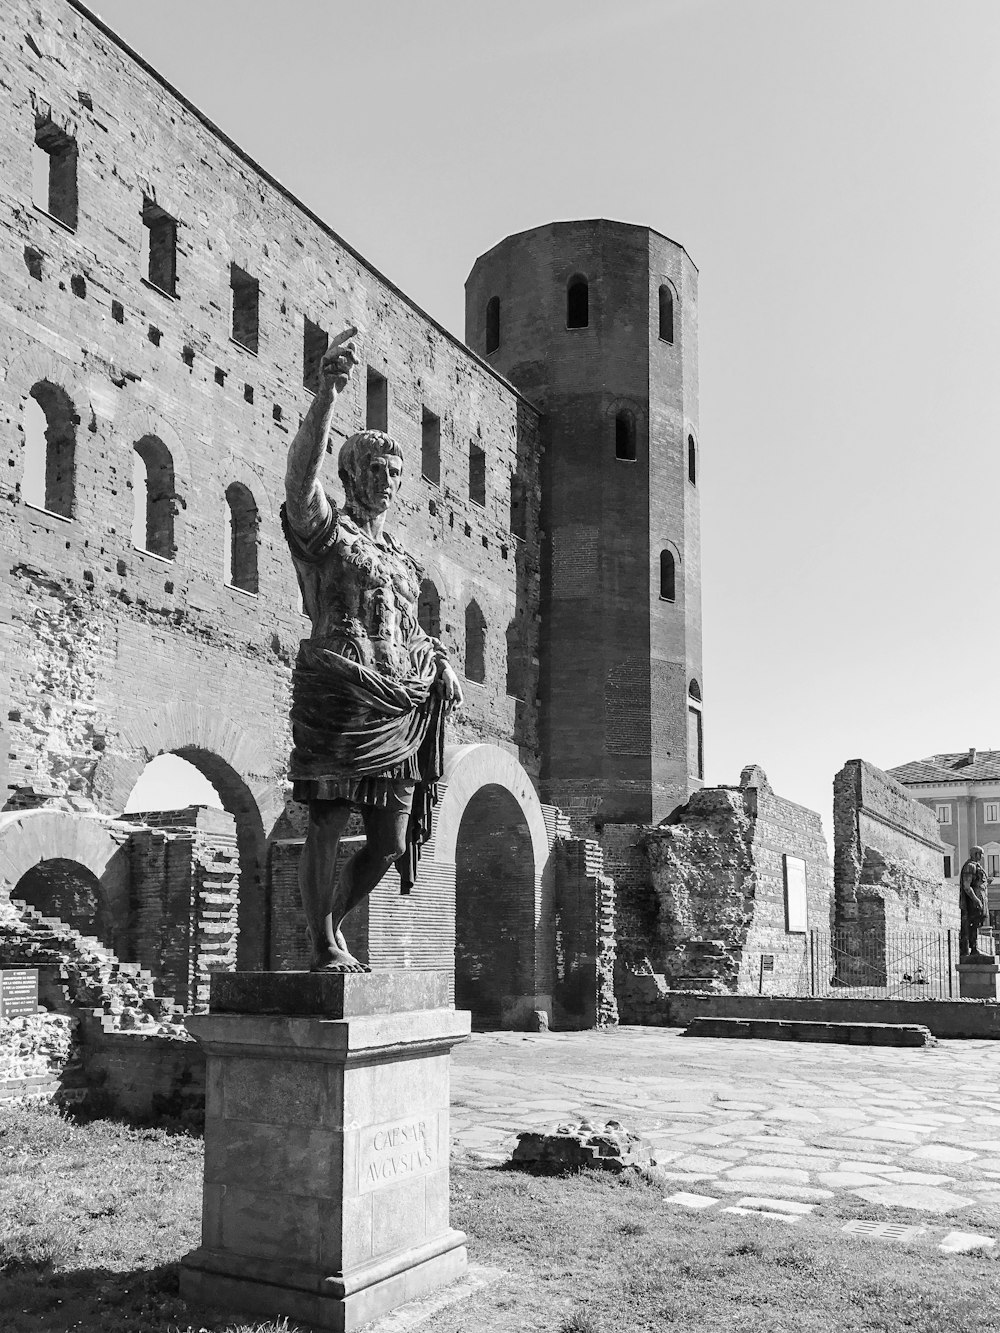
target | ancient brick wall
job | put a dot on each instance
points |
(39, 1056)
(112, 653)
(888, 857)
(720, 917)
(584, 995)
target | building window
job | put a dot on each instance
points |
(246, 308)
(991, 812)
(947, 867)
(625, 436)
(241, 548)
(694, 690)
(577, 303)
(50, 423)
(696, 756)
(314, 344)
(54, 174)
(666, 313)
(475, 643)
(943, 814)
(515, 663)
(159, 244)
(477, 473)
(668, 577)
(518, 507)
(492, 324)
(692, 461)
(430, 446)
(153, 497)
(992, 864)
(376, 401)
(429, 609)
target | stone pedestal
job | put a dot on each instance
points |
(978, 977)
(326, 1145)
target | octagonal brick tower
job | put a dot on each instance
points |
(597, 322)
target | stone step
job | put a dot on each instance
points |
(778, 1029)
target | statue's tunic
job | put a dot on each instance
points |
(367, 724)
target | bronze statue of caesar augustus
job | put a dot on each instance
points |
(370, 689)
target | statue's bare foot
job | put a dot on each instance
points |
(332, 958)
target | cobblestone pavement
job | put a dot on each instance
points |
(909, 1129)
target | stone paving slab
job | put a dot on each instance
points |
(901, 1128)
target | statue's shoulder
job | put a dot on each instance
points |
(401, 553)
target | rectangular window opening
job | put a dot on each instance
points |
(947, 867)
(993, 865)
(991, 812)
(943, 813)
(518, 508)
(246, 308)
(54, 173)
(159, 247)
(377, 401)
(430, 447)
(314, 344)
(477, 474)
(696, 749)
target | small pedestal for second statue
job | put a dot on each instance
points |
(326, 1145)
(978, 977)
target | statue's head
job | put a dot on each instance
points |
(976, 853)
(371, 468)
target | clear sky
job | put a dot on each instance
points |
(833, 167)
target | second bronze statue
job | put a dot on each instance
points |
(370, 689)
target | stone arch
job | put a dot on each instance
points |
(495, 777)
(138, 421)
(31, 838)
(39, 366)
(238, 764)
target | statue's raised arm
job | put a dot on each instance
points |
(306, 504)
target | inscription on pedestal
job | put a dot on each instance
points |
(397, 1151)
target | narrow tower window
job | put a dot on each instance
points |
(377, 401)
(518, 507)
(666, 313)
(314, 344)
(577, 303)
(475, 643)
(246, 308)
(692, 461)
(159, 242)
(694, 689)
(515, 663)
(477, 473)
(696, 743)
(429, 609)
(153, 497)
(492, 324)
(430, 446)
(241, 548)
(50, 423)
(54, 177)
(668, 577)
(625, 436)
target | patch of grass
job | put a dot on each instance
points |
(94, 1218)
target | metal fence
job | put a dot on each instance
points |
(887, 964)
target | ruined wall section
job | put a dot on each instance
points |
(99, 637)
(888, 857)
(584, 994)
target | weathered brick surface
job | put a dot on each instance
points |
(584, 994)
(38, 1055)
(888, 857)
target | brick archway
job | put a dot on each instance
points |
(485, 783)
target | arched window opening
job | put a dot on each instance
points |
(668, 577)
(692, 461)
(492, 324)
(666, 313)
(153, 497)
(475, 643)
(516, 663)
(625, 436)
(429, 609)
(50, 449)
(241, 548)
(694, 689)
(577, 303)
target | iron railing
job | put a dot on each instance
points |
(887, 964)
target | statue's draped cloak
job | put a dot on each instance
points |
(357, 733)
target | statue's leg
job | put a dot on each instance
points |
(327, 821)
(385, 843)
